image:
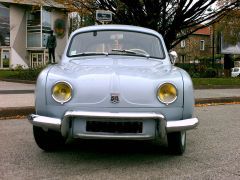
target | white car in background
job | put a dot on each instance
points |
(235, 72)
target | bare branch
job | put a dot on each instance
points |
(168, 17)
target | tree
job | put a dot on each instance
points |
(174, 19)
(229, 27)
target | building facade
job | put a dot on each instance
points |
(196, 46)
(24, 29)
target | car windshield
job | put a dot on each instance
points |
(236, 69)
(116, 42)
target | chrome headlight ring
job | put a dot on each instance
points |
(62, 92)
(168, 91)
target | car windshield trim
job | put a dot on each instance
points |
(89, 54)
(162, 57)
(132, 52)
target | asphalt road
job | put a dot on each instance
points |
(213, 152)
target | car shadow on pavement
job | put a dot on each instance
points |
(111, 151)
(117, 146)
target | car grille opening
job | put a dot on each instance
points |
(114, 127)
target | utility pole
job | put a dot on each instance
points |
(213, 46)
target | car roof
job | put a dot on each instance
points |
(116, 27)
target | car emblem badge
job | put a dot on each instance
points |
(114, 98)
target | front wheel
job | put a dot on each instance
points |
(47, 140)
(177, 142)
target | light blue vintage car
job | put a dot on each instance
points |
(114, 82)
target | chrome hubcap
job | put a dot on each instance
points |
(183, 135)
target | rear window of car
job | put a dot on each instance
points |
(116, 42)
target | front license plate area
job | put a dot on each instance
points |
(114, 127)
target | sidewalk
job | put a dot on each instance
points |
(18, 98)
(16, 94)
(210, 96)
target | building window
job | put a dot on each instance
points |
(38, 27)
(46, 26)
(183, 44)
(34, 29)
(4, 25)
(202, 45)
(182, 58)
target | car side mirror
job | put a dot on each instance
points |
(173, 57)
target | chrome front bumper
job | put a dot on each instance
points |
(162, 126)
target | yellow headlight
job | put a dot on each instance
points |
(62, 92)
(167, 93)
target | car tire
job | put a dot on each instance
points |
(177, 142)
(47, 140)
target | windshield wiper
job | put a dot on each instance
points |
(89, 53)
(133, 51)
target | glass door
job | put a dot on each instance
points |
(5, 58)
(37, 59)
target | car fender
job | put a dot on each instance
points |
(188, 96)
(40, 91)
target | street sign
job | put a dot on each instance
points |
(103, 16)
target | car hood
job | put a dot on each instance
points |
(134, 80)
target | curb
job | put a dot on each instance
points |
(217, 87)
(221, 100)
(8, 112)
(28, 91)
(13, 112)
(18, 81)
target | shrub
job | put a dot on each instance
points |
(210, 73)
(194, 74)
(30, 74)
(203, 70)
(26, 74)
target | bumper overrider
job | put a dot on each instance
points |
(161, 125)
